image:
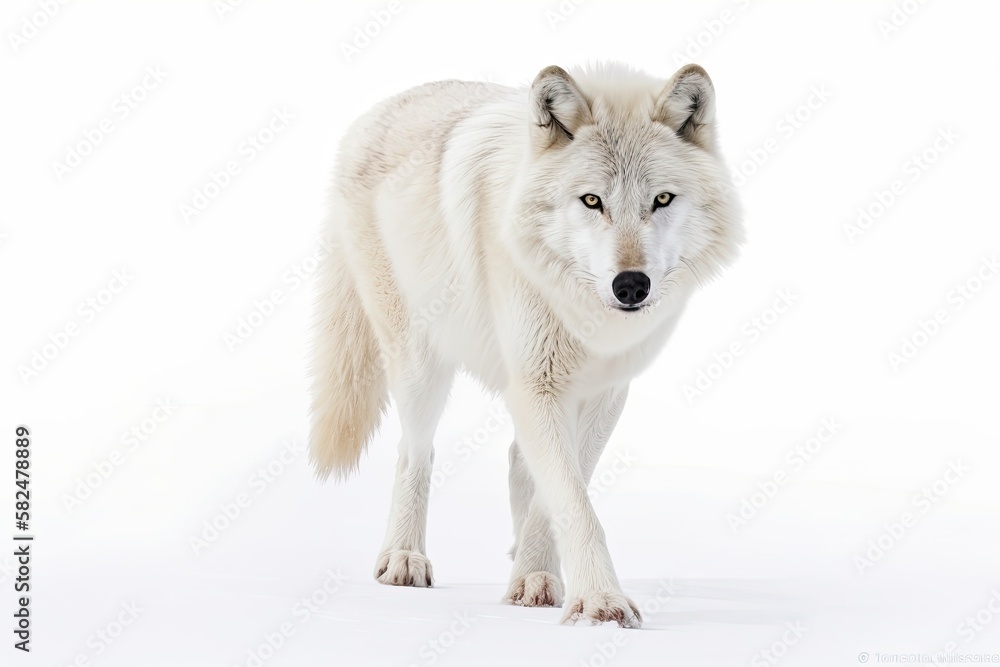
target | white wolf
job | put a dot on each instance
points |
(545, 239)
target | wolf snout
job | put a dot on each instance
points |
(630, 287)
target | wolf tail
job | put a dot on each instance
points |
(349, 387)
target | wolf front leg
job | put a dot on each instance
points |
(547, 425)
(535, 579)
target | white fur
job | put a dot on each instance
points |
(461, 242)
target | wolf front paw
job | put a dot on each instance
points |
(603, 607)
(538, 589)
(404, 568)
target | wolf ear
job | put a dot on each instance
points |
(558, 108)
(687, 105)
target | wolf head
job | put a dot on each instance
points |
(625, 192)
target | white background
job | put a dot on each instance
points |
(726, 591)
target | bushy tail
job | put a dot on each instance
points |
(349, 391)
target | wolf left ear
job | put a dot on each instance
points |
(558, 108)
(687, 105)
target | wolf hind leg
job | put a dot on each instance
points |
(420, 383)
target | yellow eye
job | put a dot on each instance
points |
(591, 201)
(662, 199)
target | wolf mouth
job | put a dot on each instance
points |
(631, 309)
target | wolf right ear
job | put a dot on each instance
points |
(687, 105)
(558, 108)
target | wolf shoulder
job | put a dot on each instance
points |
(409, 133)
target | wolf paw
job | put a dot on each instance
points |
(538, 589)
(404, 568)
(603, 607)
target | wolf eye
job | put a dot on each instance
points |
(662, 199)
(592, 201)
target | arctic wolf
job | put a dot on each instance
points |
(545, 239)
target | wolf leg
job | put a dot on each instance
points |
(535, 579)
(420, 384)
(547, 431)
(598, 418)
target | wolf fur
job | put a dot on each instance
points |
(461, 240)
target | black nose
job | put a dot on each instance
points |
(630, 287)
